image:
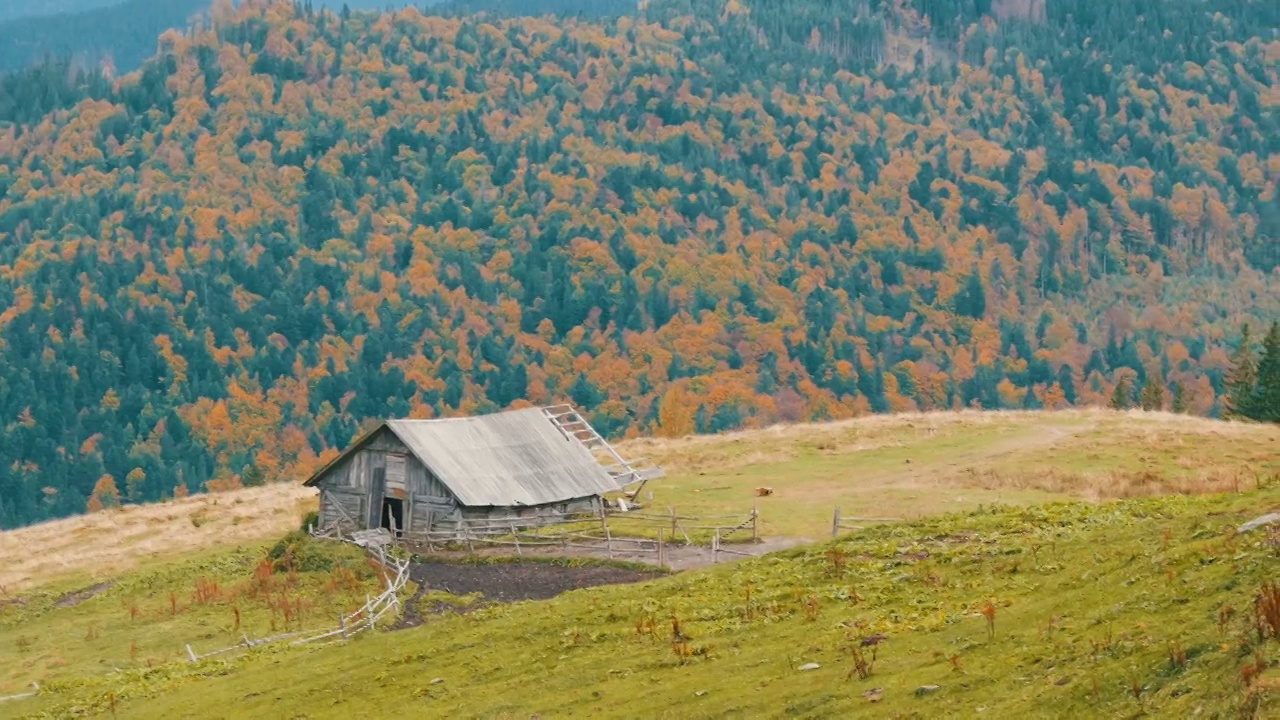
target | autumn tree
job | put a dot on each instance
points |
(133, 485)
(105, 495)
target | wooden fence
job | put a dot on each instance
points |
(612, 533)
(396, 575)
(23, 696)
(840, 522)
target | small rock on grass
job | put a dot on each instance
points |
(809, 666)
(926, 689)
(1268, 519)
(437, 681)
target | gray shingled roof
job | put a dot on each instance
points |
(512, 458)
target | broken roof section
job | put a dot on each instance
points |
(520, 457)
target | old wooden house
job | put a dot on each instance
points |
(527, 467)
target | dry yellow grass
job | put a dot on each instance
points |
(924, 463)
(105, 544)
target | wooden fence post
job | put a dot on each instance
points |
(674, 527)
(191, 653)
(835, 523)
(715, 547)
(662, 555)
(608, 542)
(516, 536)
(755, 524)
(342, 624)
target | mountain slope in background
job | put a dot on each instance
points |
(13, 9)
(715, 214)
(120, 34)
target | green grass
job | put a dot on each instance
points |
(1090, 597)
(145, 619)
(1091, 602)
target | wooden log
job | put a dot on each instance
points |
(662, 555)
(755, 524)
(191, 653)
(835, 523)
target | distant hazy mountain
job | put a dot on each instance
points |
(124, 32)
(11, 9)
(90, 31)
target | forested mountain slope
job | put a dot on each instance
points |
(713, 214)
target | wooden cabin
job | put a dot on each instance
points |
(534, 466)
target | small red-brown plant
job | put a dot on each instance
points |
(1225, 613)
(863, 663)
(1267, 610)
(646, 626)
(133, 650)
(173, 603)
(811, 608)
(837, 561)
(989, 612)
(235, 610)
(1136, 688)
(1250, 672)
(679, 641)
(1177, 654)
(206, 592)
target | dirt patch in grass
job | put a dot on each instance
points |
(76, 597)
(515, 581)
(502, 582)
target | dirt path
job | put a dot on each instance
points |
(72, 599)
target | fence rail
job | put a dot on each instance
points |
(840, 522)
(626, 533)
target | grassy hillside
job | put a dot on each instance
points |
(710, 215)
(1088, 596)
(1063, 610)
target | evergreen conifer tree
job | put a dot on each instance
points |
(1152, 395)
(1264, 404)
(1121, 396)
(1240, 382)
(1180, 403)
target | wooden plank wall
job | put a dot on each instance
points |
(350, 484)
(531, 516)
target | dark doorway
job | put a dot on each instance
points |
(393, 511)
